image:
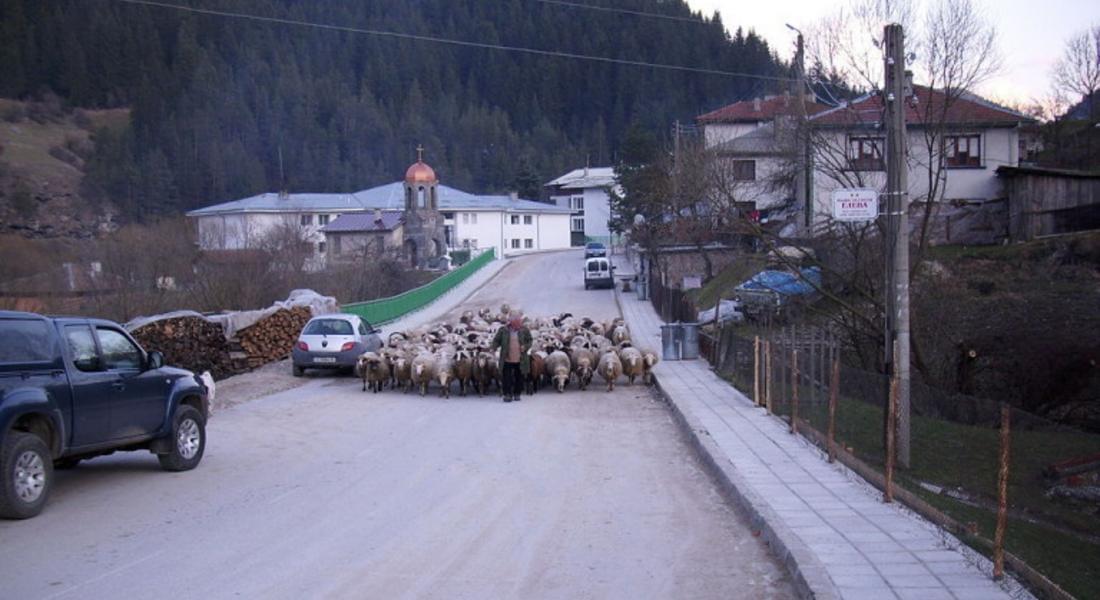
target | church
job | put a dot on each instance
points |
(418, 219)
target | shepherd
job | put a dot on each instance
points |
(513, 341)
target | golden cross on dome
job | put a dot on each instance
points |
(419, 153)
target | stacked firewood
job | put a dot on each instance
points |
(191, 343)
(272, 337)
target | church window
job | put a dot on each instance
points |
(422, 197)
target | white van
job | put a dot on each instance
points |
(598, 273)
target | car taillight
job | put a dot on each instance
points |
(347, 346)
(304, 347)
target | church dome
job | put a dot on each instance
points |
(420, 172)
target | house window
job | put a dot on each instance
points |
(744, 170)
(578, 224)
(865, 153)
(515, 243)
(322, 220)
(527, 219)
(963, 150)
(515, 219)
(576, 203)
(528, 243)
(473, 218)
(320, 247)
(465, 218)
(449, 215)
(307, 220)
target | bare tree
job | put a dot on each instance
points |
(1077, 72)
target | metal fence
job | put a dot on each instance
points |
(672, 304)
(384, 310)
(1014, 485)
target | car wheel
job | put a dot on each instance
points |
(297, 371)
(187, 440)
(27, 471)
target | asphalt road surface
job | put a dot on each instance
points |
(326, 491)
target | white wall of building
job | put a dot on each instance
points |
(482, 228)
(716, 133)
(597, 209)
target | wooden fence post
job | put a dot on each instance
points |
(834, 385)
(756, 370)
(891, 426)
(768, 375)
(1002, 495)
(794, 390)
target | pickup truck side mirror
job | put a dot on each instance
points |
(155, 360)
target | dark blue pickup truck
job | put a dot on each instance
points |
(74, 388)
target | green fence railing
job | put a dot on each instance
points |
(383, 310)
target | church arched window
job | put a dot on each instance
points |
(422, 197)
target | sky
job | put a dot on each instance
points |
(1031, 34)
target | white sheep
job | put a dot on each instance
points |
(558, 367)
(610, 368)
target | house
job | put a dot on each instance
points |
(587, 194)
(737, 119)
(434, 219)
(354, 236)
(955, 144)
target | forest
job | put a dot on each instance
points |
(223, 107)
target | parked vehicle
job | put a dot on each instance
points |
(73, 388)
(769, 294)
(598, 272)
(593, 249)
(333, 342)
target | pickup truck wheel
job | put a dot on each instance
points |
(186, 442)
(27, 472)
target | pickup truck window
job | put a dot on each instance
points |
(25, 341)
(118, 351)
(82, 347)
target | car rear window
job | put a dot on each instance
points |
(329, 327)
(24, 341)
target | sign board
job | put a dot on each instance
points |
(692, 282)
(855, 205)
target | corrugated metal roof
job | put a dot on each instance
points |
(364, 221)
(592, 177)
(390, 196)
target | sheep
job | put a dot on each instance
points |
(610, 367)
(558, 367)
(464, 369)
(374, 369)
(619, 335)
(485, 372)
(423, 371)
(632, 363)
(537, 371)
(582, 366)
(445, 370)
(649, 360)
(402, 372)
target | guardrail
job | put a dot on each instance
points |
(384, 310)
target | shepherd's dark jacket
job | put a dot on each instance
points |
(501, 341)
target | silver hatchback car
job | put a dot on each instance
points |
(333, 342)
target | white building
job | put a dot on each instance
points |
(971, 138)
(586, 193)
(507, 223)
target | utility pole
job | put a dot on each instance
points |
(897, 202)
(802, 177)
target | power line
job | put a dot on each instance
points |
(626, 11)
(451, 41)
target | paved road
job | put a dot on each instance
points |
(324, 491)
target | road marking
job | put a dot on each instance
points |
(110, 573)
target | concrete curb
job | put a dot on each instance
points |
(807, 571)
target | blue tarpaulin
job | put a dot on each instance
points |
(785, 283)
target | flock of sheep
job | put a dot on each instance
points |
(565, 350)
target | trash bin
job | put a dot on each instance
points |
(689, 346)
(670, 341)
(642, 287)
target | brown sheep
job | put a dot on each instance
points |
(583, 359)
(610, 368)
(374, 369)
(537, 372)
(633, 364)
(464, 370)
(485, 372)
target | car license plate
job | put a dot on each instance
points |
(324, 359)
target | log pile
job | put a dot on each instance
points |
(190, 343)
(271, 338)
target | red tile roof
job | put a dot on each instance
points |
(966, 109)
(747, 111)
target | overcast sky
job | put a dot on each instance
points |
(1031, 34)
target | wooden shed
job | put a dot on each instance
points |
(1050, 201)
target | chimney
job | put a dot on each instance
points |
(513, 196)
(283, 194)
(378, 217)
(756, 104)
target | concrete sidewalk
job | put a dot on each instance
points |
(827, 525)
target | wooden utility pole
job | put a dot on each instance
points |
(834, 387)
(1002, 495)
(897, 203)
(794, 391)
(802, 178)
(756, 371)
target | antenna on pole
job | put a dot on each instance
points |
(282, 177)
